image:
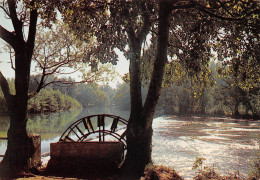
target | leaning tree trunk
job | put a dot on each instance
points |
(139, 132)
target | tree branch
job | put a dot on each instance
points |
(6, 12)
(147, 24)
(205, 11)
(7, 36)
(40, 86)
(224, 7)
(42, 83)
(32, 30)
(17, 24)
(11, 58)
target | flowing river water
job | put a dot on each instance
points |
(228, 145)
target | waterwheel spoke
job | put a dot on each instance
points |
(79, 130)
(87, 123)
(101, 123)
(114, 124)
(74, 132)
(67, 137)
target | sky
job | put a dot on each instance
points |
(122, 66)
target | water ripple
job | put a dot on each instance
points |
(228, 146)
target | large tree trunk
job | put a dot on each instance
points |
(139, 132)
(131, 168)
(19, 149)
(20, 146)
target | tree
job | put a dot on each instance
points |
(125, 23)
(194, 26)
(183, 93)
(58, 52)
(130, 23)
(139, 133)
(24, 14)
(49, 100)
(191, 51)
(20, 147)
(241, 68)
(241, 87)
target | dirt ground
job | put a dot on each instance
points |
(35, 177)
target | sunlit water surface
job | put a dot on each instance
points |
(228, 145)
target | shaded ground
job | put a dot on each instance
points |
(69, 175)
(152, 172)
(43, 177)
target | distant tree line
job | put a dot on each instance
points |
(63, 95)
(87, 94)
(216, 93)
(213, 91)
(48, 100)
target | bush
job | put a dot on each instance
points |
(157, 172)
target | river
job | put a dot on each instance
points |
(228, 145)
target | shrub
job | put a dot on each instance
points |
(254, 173)
(159, 172)
(205, 172)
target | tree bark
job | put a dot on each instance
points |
(139, 132)
(131, 168)
(19, 147)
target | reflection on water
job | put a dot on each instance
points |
(4, 124)
(51, 125)
(227, 145)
